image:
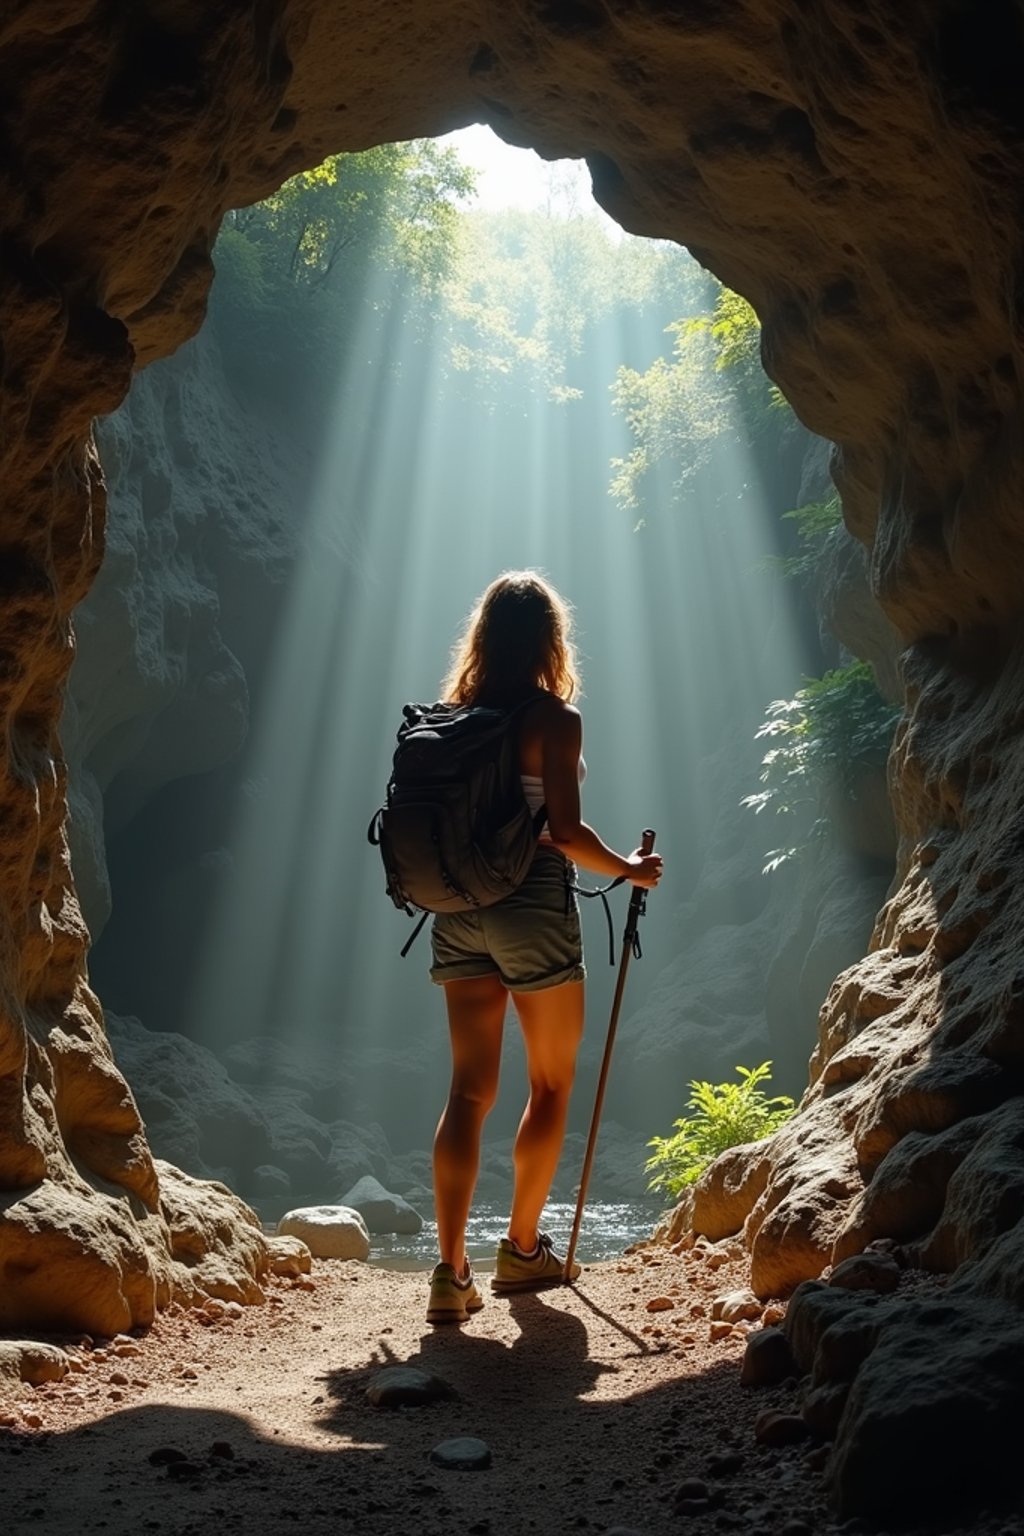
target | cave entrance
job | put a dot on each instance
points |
(423, 365)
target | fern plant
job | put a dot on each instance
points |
(724, 1115)
(821, 740)
(814, 521)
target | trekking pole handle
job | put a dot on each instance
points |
(636, 901)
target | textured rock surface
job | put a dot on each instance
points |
(855, 173)
(199, 502)
(328, 1231)
(200, 1116)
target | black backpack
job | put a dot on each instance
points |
(455, 831)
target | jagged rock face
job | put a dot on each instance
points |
(855, 172)
(201, 530)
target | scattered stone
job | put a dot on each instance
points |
(223, 1449)
(721, 1330)
(328, 1231)
(32, 1420)
(767, 1359)
(184, 1471)
(464, 1453)
(164, 1455)
(23, 1360)
(406, 1386)
(796, 1528)
(725, 1465)
(381, 1210)
(692, 1488)
(118, 1379)
(867, 1272)
(735, 1306)
(127, 1350)
(775, 1428)
(661, 1304)
(773, 1313)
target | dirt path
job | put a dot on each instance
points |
(596, 1411)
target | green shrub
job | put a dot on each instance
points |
(725, 1115)
(822, 740)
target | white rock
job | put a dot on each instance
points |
(288, 1256)
(380, 1209)
(736, 1305)
(328, 1231)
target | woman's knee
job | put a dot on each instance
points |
(473, 1098)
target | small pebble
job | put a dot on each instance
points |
(774, 1428)
(464, 1453)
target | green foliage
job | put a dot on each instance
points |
(298, 273)
(822, 739)
(400, 200)
(725, 1115)
(508, 299)
(529, 286)
(680, 410)
(814, 522)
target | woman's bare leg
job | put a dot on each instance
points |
(476, 1015)
(552, 1025)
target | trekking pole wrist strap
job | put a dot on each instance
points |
(602, 891)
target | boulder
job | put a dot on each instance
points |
(328, 1231)
(381, 1211)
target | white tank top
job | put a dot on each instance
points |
(533, 789)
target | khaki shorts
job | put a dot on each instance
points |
(529, 940)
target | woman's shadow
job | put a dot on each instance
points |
(536, 1382)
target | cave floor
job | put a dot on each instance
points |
(596, 1410)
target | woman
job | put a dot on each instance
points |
(516, 643)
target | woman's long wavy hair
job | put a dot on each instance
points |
(517, 637)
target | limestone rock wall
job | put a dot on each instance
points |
(855, 172)
(201, 527)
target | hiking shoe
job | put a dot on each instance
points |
(452, 1299)
(518, 1271)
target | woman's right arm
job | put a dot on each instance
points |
(562, 747)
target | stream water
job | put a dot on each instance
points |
(608, 1229)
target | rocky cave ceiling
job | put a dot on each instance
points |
(855, 171)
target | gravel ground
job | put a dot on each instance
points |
(601, 1414)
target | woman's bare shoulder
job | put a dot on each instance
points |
(553, 718)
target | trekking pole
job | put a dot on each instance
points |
(629, 944)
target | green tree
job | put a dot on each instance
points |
(530, 286)
(681, 410)
(328, 252)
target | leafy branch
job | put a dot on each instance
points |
(725, 1115)
(822, 739)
